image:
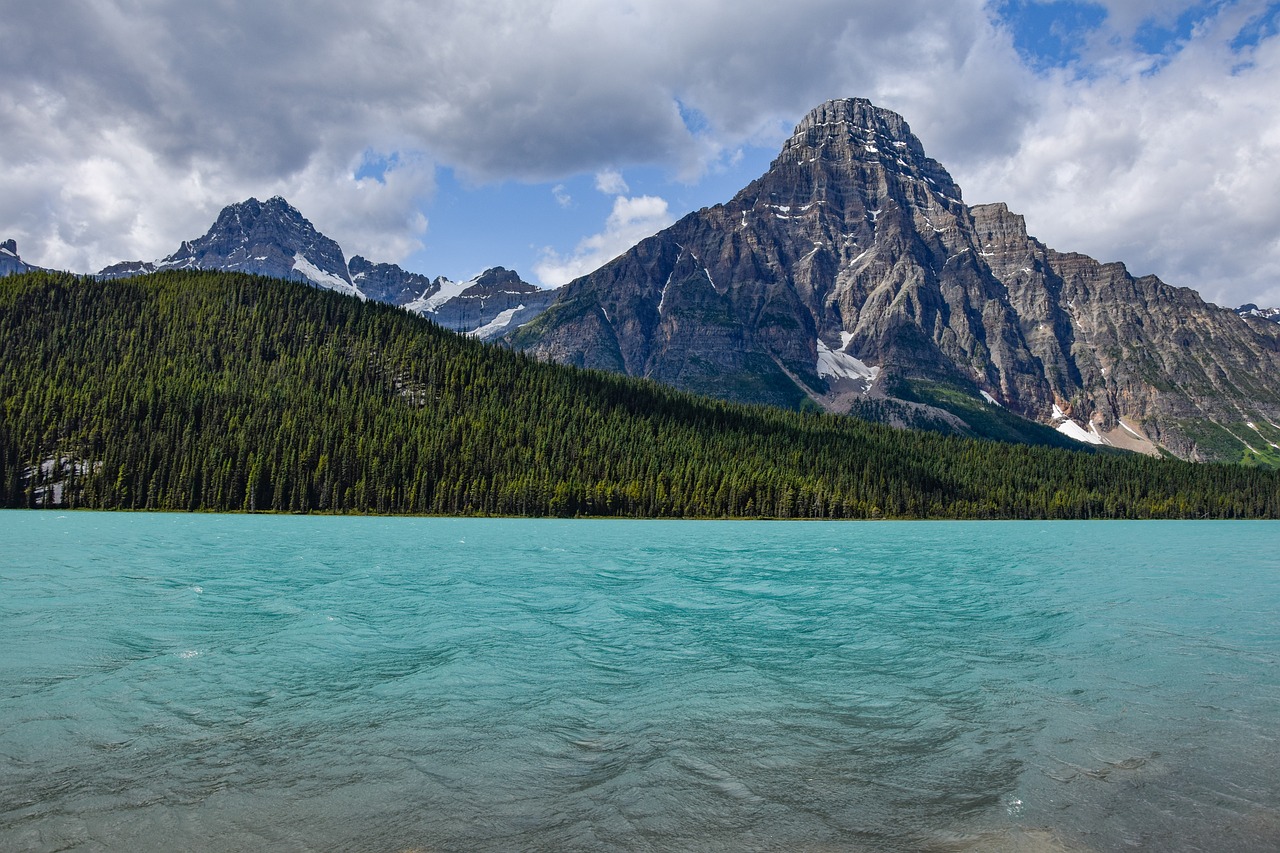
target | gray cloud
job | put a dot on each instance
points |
(125, 126)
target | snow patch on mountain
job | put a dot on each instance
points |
(447, 290)
(1251, 310)
(1063, 423)
(327, 280)
(841, 365)
(10, 263)
(497, 325)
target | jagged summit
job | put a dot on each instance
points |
(487, 306)
(268, 238)
(1249, 309)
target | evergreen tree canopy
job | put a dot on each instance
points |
(225, 392)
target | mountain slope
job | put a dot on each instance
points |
(219, 391)
(852, 274)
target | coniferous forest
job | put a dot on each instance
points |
(210, 391)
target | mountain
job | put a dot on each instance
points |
(495, 302)
(263, 238)
(387, 282)
(853, 275)
(273, 239)
(208, 390)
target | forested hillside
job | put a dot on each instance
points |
(220, 391)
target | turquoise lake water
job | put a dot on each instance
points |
(176, 682)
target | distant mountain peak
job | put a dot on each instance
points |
(1249, 309)
(270, 238)
(853, 113)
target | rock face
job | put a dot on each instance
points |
(387, 282)
(1136, 357)
(852, 271)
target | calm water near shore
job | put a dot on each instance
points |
(290, 683)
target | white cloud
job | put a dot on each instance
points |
(631, 220)
(125, 127)
(610, 182)
(561, 195)
(379, 219)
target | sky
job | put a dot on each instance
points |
(548, 136)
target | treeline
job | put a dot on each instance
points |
(211, 391)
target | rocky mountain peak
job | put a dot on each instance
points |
(491, 304)
(501, 278)
(272, 238)
(1249, 309)
(851, 116)
(268, 238)
(10, 246)
(855, 132)
(253, 222)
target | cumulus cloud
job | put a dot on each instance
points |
(125, 126)
(631, 220)
(610, 182)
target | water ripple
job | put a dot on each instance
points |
(231, 683)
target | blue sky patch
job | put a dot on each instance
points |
(1050, 35)
(1263, 26)
(375, 165)
(694, 120)
(1161, 39)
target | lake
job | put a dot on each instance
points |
(404, 684)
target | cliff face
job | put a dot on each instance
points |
(853, 271)
(1135, 355)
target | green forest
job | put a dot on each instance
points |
(207, 391)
